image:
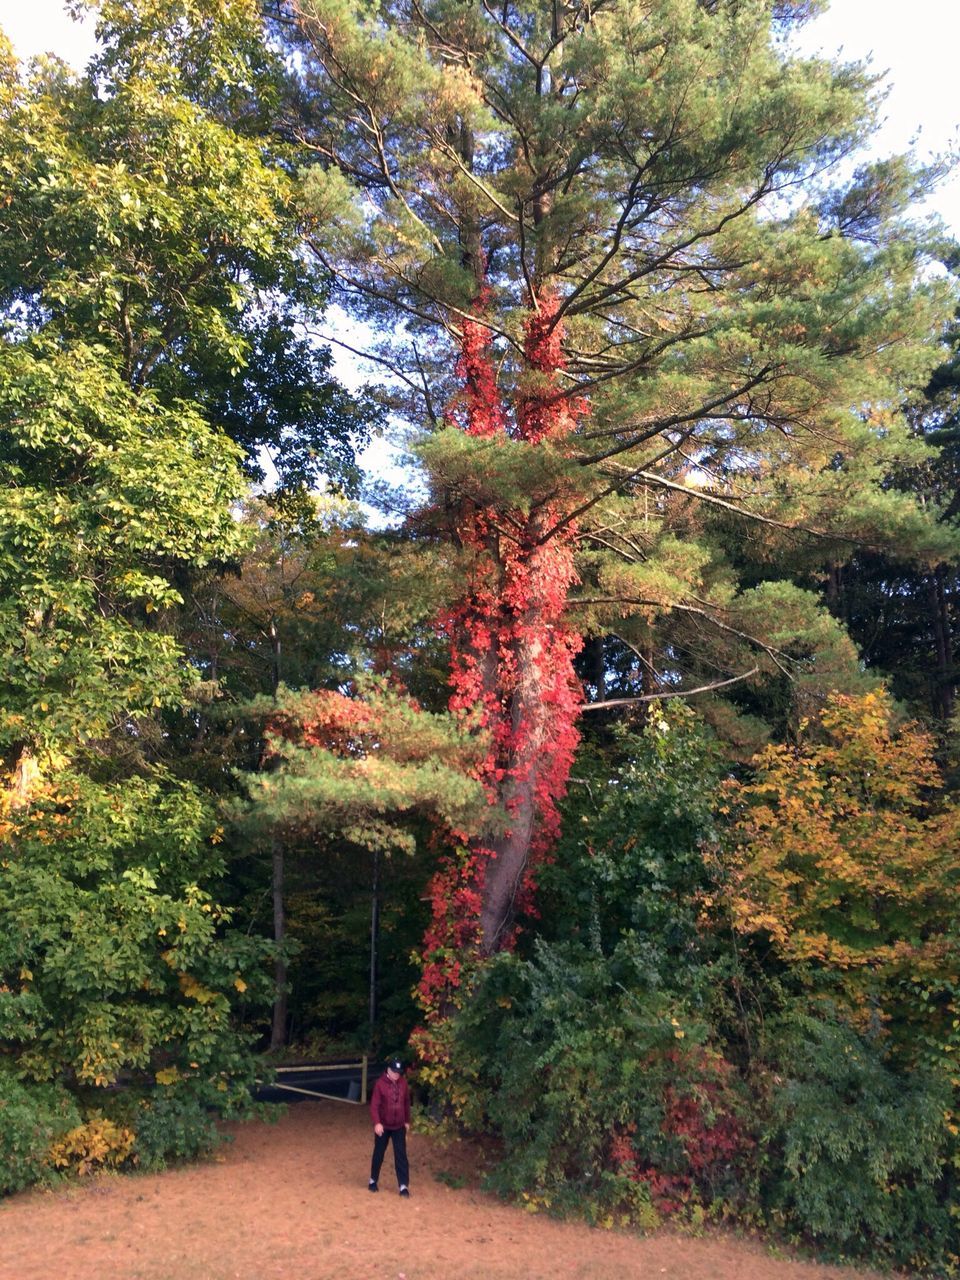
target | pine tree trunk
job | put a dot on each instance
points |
(507, 866)
(374, 944)
(512, 652)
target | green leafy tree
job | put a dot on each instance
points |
(118, 967)
(144, 212)
(630, 870)
(110, 495)
(350, 763)
(139, 234)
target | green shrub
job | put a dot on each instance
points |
(32, 1118)
(630, 861)
(171, 1127)
(602, 1091)
(854, 1152)
(117, 969)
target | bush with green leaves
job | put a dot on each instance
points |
(854, 1150)
(603, 1089)
(172, 1125)
(32, 1118)
(629, 861)
(116, 965)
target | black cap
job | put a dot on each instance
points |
(395, 1064)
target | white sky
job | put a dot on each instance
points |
(916, 42)
(43, 26)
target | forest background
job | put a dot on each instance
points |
(614, 764)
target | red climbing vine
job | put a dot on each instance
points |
(511, 656)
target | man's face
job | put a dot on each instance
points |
(392, 1075)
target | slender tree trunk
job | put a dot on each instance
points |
(507, 867)
(594, 653)
(649, 684)
(374, 944)
(278, 1032)
(944, 689)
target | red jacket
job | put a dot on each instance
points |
(390, 1103)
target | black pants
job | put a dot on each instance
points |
(380, 1143)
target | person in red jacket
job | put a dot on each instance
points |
(390, 1110)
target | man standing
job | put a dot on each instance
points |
(390, 1109)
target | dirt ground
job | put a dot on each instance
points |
(290, 1199)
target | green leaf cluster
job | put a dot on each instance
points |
(148, 210)
(115, 965)
(841, 1107)
(629, 869)
(110, 498)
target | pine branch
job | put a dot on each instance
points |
(673, 693)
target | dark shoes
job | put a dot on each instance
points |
(372, 1186)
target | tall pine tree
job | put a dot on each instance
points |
(641, 325)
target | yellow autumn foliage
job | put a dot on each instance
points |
(846, 857)
(97, 1144)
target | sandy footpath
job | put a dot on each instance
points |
(290, 1199)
